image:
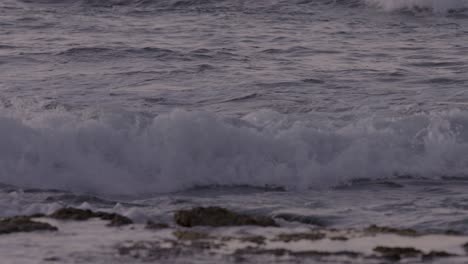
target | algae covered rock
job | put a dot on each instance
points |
(260, 240)
(190, 235)
(436, 254)
(115, 219)
(278, 252)
(217, 216)
(374, 229)
(396, 253)
(69, 213)
(300, 236)
(155, 226)
(23, 224)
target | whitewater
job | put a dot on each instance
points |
(299, 105)
(349, 112)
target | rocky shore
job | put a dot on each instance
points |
(211, 234)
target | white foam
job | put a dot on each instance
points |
(125, 154)
(437, 6)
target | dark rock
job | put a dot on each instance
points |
(190, 235)
(52, 259)
(202, 245)
(465, 246)
(36, 215)
(115, 219)
(313, 253)
(23, 224)
(155, 226)
(283, 252)
(217, 216)
(300, 236)
(260, 240)
(396, 253)
(436, 254)
(451, 232)
(118, 220)
(383, 229)
(259, 251)
(400, 250)
(70, 213)
(340, 238)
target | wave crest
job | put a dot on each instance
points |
(436, 6)
(134, 154)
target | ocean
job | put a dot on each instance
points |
(337, 114)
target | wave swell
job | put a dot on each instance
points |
(436, 6)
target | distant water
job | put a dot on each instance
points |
(149, 97)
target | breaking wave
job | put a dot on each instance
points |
(134, 154)
(436, 6)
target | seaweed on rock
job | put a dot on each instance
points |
(23, 224)
(217, 216)
(69, 213)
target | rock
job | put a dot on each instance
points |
(69, 213)
(217, 216)
(118, 220)
(52, 259)
(190, 235)
(452, 232)
(465, 247)
(115, 219)
(300, 236)
(339, 238)
(319, 254)
(436, 254)
(302, 254)
(37, 215)
(260, 240)
(383, 229)
(155, 226)
(259, 251)
(396, 253)
(23, 224)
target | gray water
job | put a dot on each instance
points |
(355, 108)
(341, 58)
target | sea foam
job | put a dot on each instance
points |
(437, 6)
(124, 154)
